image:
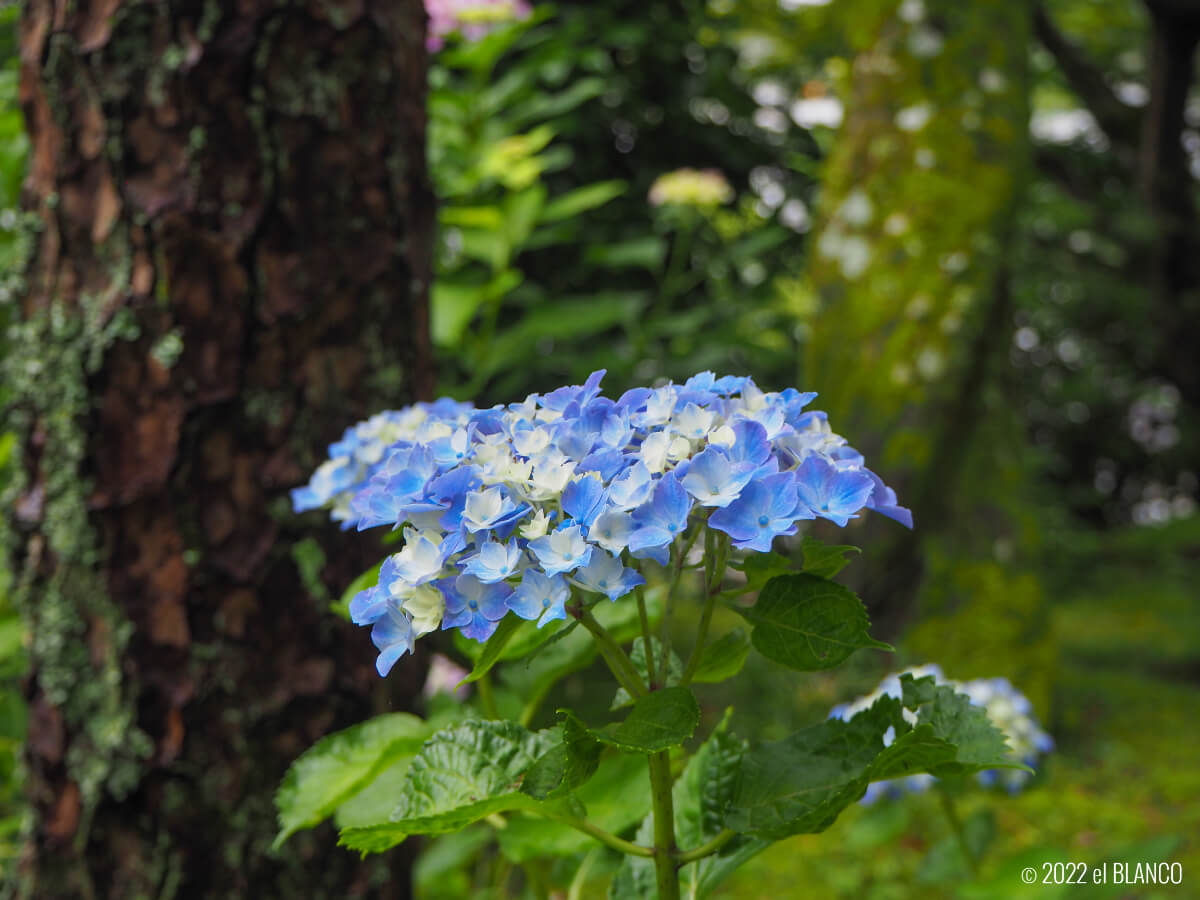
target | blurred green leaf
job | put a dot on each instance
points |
(580, 200)
(644, 252)
(723, 658)
(453, 304)
(337, 766)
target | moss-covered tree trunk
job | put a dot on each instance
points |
(233, 267)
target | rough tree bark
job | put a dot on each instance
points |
(233, 267)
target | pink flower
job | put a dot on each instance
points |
(471, 18)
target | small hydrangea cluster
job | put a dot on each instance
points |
(510, 509)
(471, 18)
(1008, 709)
(702, 189)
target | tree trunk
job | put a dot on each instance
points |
(233, 266)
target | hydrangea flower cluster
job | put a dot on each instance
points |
(703, 189)
(512, 509)
(1008, 708)
(472, 18)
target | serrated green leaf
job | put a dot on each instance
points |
(809, 623)
(801, 784)
(658, 721)
(341, 764)
(638, 657)
(565, 766)
(825, 560)
(723, 658)
(952, 717)
(462, 774)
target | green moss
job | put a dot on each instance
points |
(51, 357)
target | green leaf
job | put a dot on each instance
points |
(461, 775)
(521, 212)
(660, 720)
(638, 658)
(375, 800)
(723, 658)
(801, 784)
(471, 216)
(582, 199)
(453, 304)
(643, 252)
(809, 623)
(702, 795)
(950, 720)
(566, 319)
(825, 560)
(489, 247)
(495, 645)
(758, 568)
(367, 579)
(439, 869)
(341, 764)
(566, 766)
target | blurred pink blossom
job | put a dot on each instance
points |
(471, 18)
(442, 677)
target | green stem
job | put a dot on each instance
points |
(706, 849)
(712, 582)
(607, 838)
(647, 642)
(665, 852)
(622, 667)
(575, 891)
(487, 699)
(956, 826)
(534, 703)
(678, 558)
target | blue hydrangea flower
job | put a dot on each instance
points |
(494, 562)
(604, 574)
(562, 551)
(661, 520)
(474, 607)
(766, 509)
(519, 507)
(714, 480)
(392, 634)
(540, 596)
(832, 493)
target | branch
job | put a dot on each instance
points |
(1117, 120)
